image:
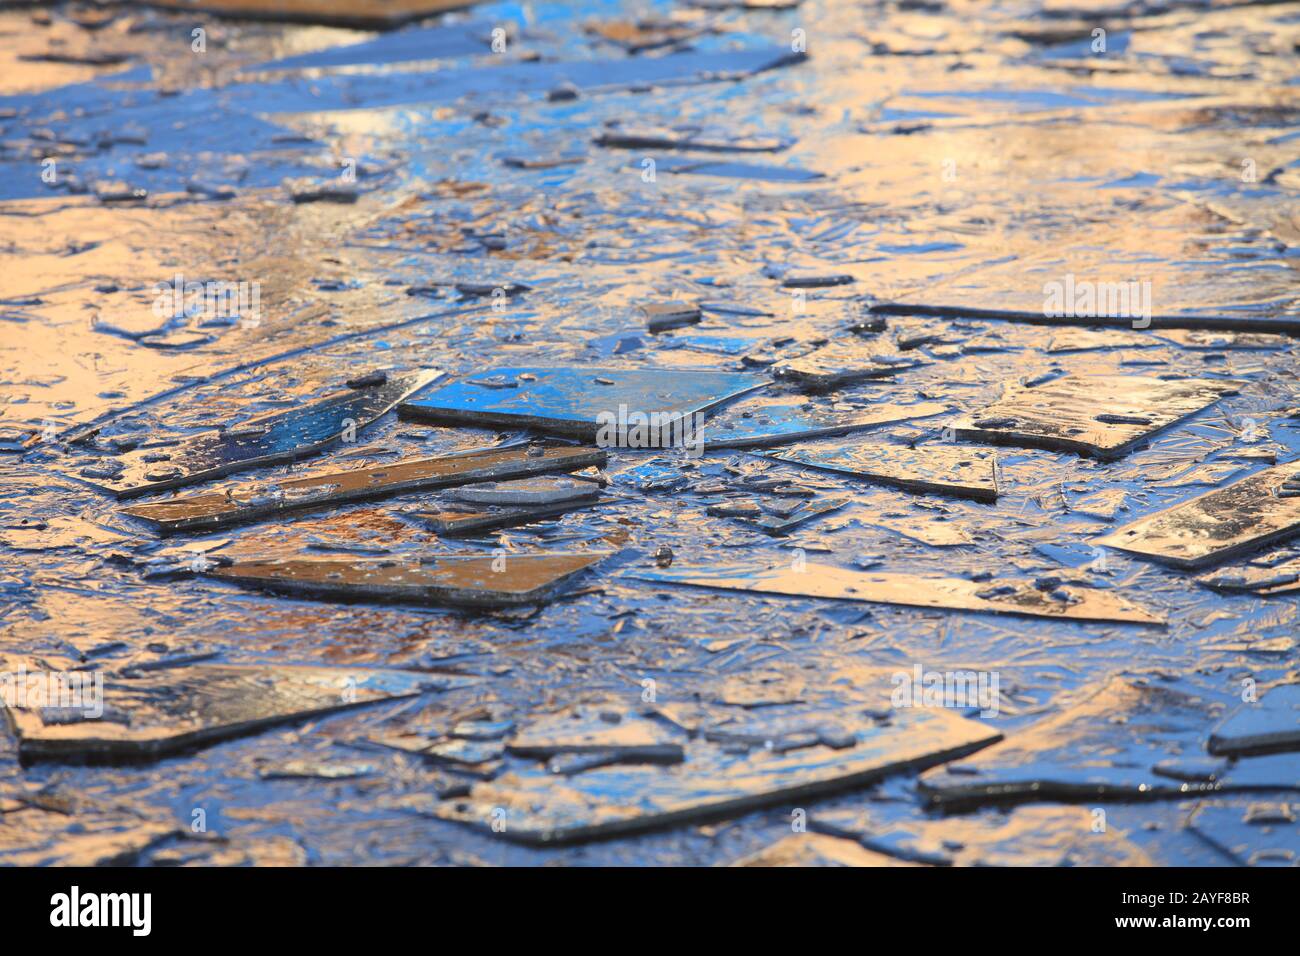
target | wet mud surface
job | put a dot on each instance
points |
(844, 234)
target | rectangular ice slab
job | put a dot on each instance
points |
(911, 590)
(783, 424)
(928, 469)
(207, 511)
(577, 401)
(469, 581)
(267, 440)
(179, 709)
(537, 808)
(1125, 740)
(1101, 415)
(1217, 526)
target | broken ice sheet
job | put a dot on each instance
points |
(1101, 415)
(843, 363)
(1206, 339)
(362, 14)
(1105, 503)
(911, 590)
(1026, 836)
(453, 518)
(204, 512)
(537, 807)
(51, 828)
(1206, 473)
(460, 580)
(1254, 833)
(662, 316)
(428, 43)
(816, 849)
(636, 37)
(528, 491)
(687, 138)
(935, 532)
(266, 440)
(504, 83)
(177, 709)
(926, 469)
(757, 172)
(317, 770)
(1268, 725)
(579, 400)
(1263, 576)
(749, 426)
(1083, 340)
(609, 729)
(744, 4)
(474, 758)
(1116, 743)
(1218, 525)
(782, 517)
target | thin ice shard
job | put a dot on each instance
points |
(912, 590)
(596, 728)
(695, 139)
(1114, 744)
(1219, 525)
(642, 35)
(1027, 836)
(816, 849)
(1278, 577)
(176, 710)
(215, 510)
(783, 424)
(839, 364)
(459, 580)
(527, 492)
(1101, 415)
(935, 532)
(363, 14)
(927, 469)
(453, 518)
(1083, 340)
(577, 401)
(663, 316)
(268, 440)
(732, 170)
(781, 520)
(538, 808)
(1266, 726)
(1258, 833)
(1282, 324)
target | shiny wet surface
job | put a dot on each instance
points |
(967, 155)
